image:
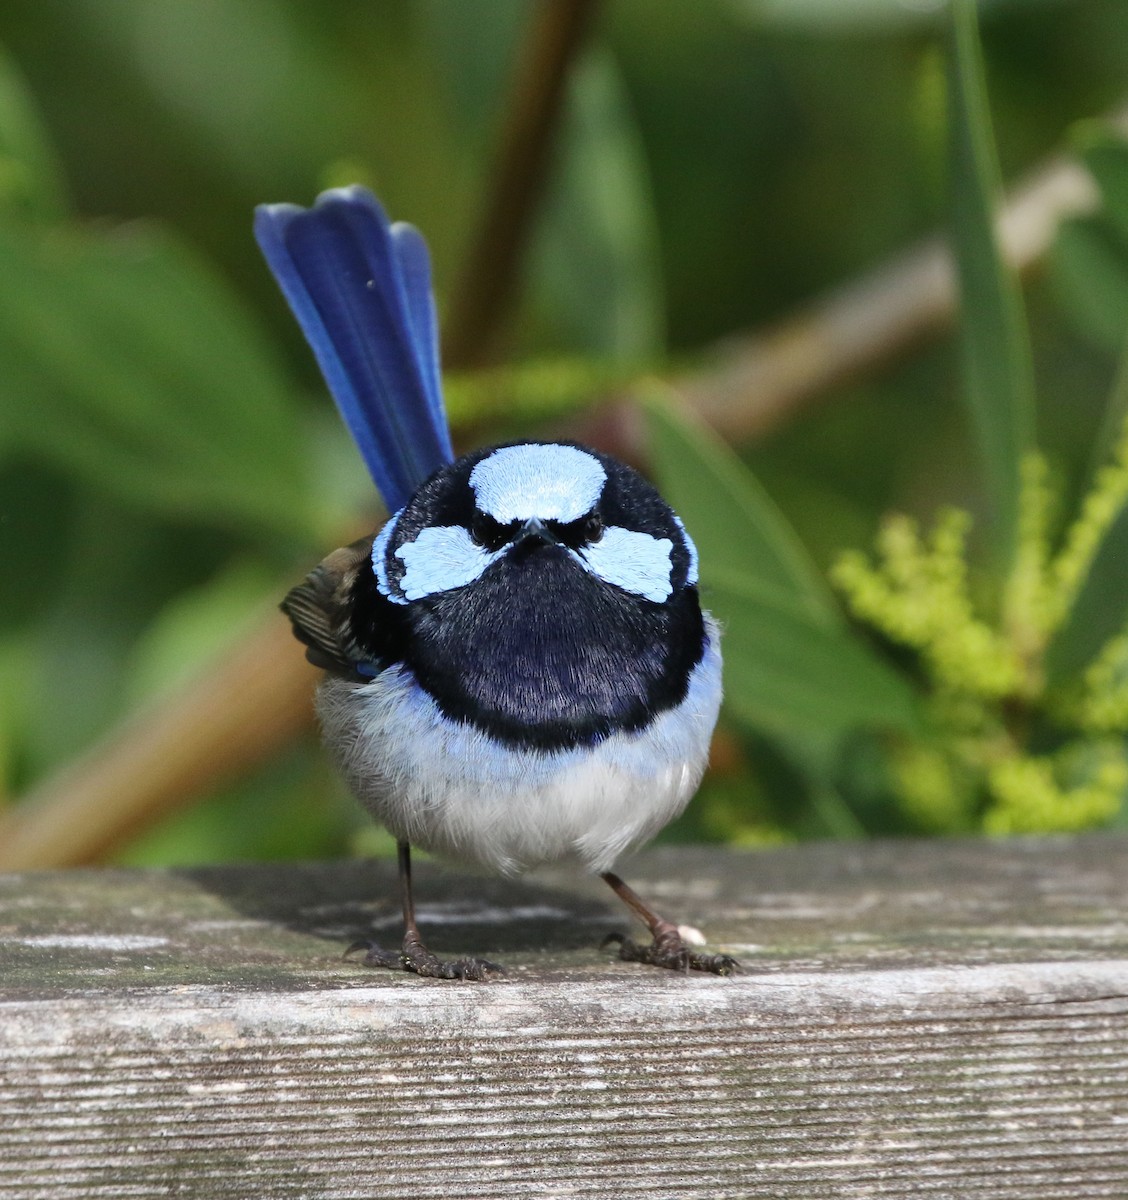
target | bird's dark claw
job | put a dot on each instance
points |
(415, 958)
(668, 949)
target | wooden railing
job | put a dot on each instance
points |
(917, 1019)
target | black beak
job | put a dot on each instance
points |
(533, 534)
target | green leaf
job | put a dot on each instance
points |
(1100, 611)
(18, 664)
(785, 673)
(30, 177)
(1114, 419)
(596, 275)
(1091, 266)
(865, 17)
(733, 521)
(197, 625)
(286, 809)
(36, 514)
(1089, 269)
(115, 575)
(1105, 153)
(136, 368)
(995, 353)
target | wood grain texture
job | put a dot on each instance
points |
(940, 1019)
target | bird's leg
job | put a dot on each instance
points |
(414, 956)
(668, 948)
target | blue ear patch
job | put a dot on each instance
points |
(441, 557)
(554, 483)
(636, 562)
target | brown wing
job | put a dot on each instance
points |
(318, 610)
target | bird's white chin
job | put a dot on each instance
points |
(448, 788)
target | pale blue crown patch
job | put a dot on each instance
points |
(691, 573)
(636, 562)
(554, 483)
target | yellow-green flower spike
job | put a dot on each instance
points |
(1030, 795)
(1100, 705)
(987, 690)
(918, 595)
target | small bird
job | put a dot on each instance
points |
(517, 668)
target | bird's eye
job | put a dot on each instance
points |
(487, 532)
(592, 528)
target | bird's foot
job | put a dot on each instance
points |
(418, 960)
(668, 949)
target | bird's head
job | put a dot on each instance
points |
(521, 514)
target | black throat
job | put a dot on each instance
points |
(538, 652)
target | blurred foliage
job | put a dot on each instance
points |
(168, 461)
(1027, 711)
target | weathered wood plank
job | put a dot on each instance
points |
(918, 1019)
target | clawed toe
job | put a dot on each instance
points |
(416, 959)
(477, 970)
(413, 956)
(668, 948)
(670, 951)
(375, 955)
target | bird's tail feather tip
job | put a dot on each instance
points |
(360, 288)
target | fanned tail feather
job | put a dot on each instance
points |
(360, 288)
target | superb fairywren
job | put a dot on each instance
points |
(517, 666)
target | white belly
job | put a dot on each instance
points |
(449, 789)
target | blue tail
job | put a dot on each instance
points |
(360, 288)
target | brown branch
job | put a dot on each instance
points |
(489, 278)
(240, 710)
(751, 384)
(244, 709)
(754, 384)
